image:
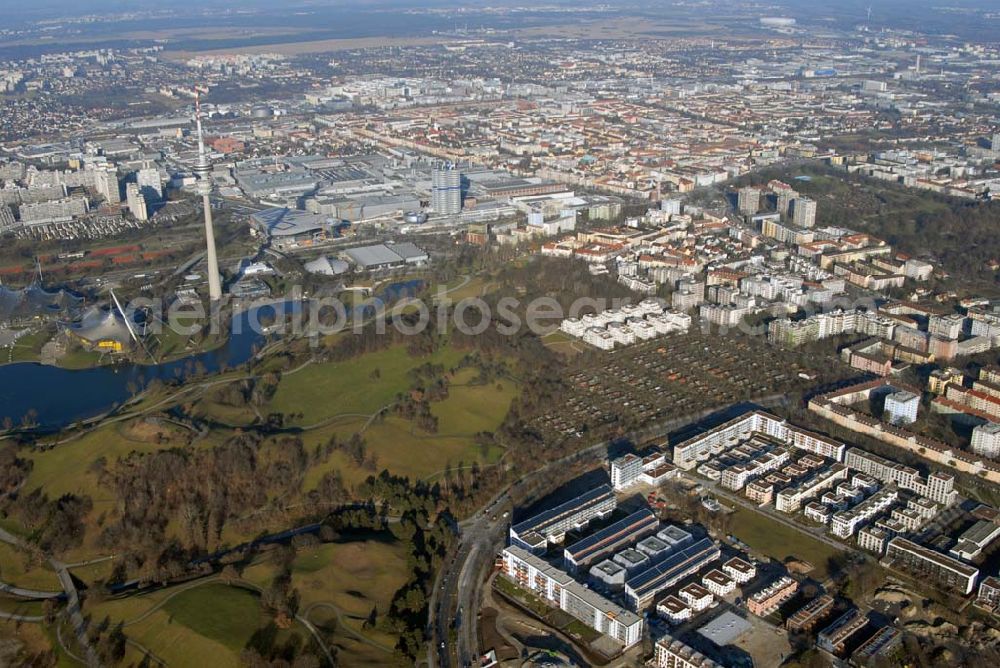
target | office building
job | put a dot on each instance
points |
(608, 540)
(930, 564)
(643, 587)
(653, 547)
(633, 561)
(446, 190)
(609, 573)
(561, 590)
(901, 407)
(675, 537)
(986, 440)
(975, 541)
(551, 526)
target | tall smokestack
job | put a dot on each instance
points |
(204, 171)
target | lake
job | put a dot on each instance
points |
(59, 397)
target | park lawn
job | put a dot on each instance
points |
(21, 607)
(90, 573)
(65, 469)
(349, 471)
(562, 343)
(38, 639)
(781, 542)
(28, 348)
(224, 614)
(174, 344)
(13, 571)
(237, 416)
(82, 359)
(354, 576)
(205, 625)
(470, 409)
(474, 288)
(321, 391)
(129, 608)
(406, 450)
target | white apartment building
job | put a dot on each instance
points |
(599, 338)
(986, 440)
(873, 539)
(846, 523)
(696, 596)
(560, 589)
(901, 407)
(790, 499)
(672, 653)
(739, 570)
(718, 583)
(625, 471)
(674, 610)
(938, 487)
(621, 333)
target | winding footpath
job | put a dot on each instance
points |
(73, 611)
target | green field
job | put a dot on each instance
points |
(322, 391)
(13, 571)
(780, 542)
(341, 583)
(81, 359)
(28, 348)
(473, 408)
(193, 624)
(227, 615)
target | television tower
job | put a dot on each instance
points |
(204, 171)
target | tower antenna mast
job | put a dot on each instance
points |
(204, 171)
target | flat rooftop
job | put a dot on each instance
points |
(725, 629)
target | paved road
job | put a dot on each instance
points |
(72, 600)
(455, 601)
(20, 592)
